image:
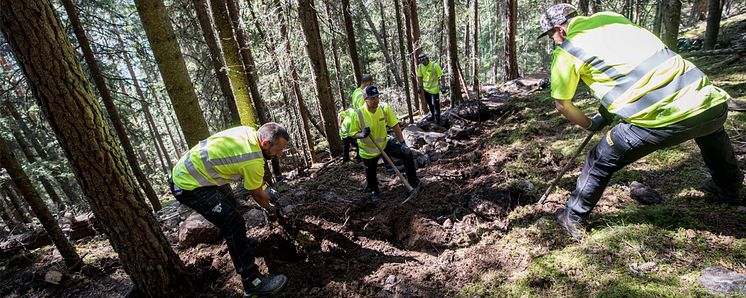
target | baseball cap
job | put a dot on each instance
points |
(421, 57)
(556, 15)
(371, 91)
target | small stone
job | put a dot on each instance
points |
(644, 194)
(254, 218)
(299, 194)
(391, 279)
(315, 290)
(288, 209)
(322, 187)
(722, 280)
(448, 223)
(53, 277)
(422, 160)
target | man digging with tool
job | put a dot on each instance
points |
(370, 126)
(200, 181)
(663, 100)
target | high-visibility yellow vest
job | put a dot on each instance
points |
(358, 98)
(229, 155)
(645, 83)
(378, 121)
(430, 75)
(345, 119)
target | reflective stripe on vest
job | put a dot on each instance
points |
(432, 74)
(625, 82)
(209, 165)
(366, 141)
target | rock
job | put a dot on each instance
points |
(196, 229)
(526, 84)
(422, 160)
(448, 223)
(330, 196)
(644, 194)
(322, 187)
(416, 137)
(53, 277)
(254, 218)
(435, 156)
(457, 132)
(390, 280)
(485, 208)
(288, 209)
(719, 279)
(299, 194)
(527, 185)
(471, 110)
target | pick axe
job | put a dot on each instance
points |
(412, 191)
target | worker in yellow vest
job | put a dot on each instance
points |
(662, 99)
(371, 122)
(430, 77)
(200, 180)
(345, 120)
(358, 98)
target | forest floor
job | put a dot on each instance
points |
(475, 230)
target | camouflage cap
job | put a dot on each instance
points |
(556, 15)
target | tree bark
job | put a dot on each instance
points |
(173, 69)
(476, 49)
(414, 24)
(467, 36)
(67, 100)
(381, 44)
(402, 53)
(511, 61)
(670, 20)
(583, 8)
(111, 109)
(19, 207)
(10, 163)
(351, 41)
(337, 68)
(202, 8)
(303, 109)
(247, 58)
(450, 17)
(315, 50)
(714, 13)
(13, 217)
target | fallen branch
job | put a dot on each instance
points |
(82, 227)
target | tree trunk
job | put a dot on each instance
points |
(10, 163)
(449, 8)
(310, 26)
(381, 44)
(67, 101)
(670, 19)
(236, 72)
(351, 41)
(657, 18)
(714, 12)
(337, 68)
(476, 49)
(19, 207)
(467, 36)
(202, 8)
(111, 109)
(696, 13)
(173, 69)
(414, 32)
(583, 8)
(304, 114)
(511, 61)
(247, 57)
(12, 216)
(402, 53)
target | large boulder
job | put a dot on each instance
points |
(472, 110)
(196, 229)
(719, 279)
(416, 137)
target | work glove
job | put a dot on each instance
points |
(272, 193)
(272, 212)
(366, 132)
(601, 119)
(405, 149)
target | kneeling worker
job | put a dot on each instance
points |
(371, 122)
(200, 181)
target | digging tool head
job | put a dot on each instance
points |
(414, 192)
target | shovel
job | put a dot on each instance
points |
(565, 168)
(412, 191)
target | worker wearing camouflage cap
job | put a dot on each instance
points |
(662, 100)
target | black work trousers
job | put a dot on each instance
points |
(626, 143)
(393, 149)
(348, 141)
(217, 205)
(433, 103)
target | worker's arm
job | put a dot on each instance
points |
(260, 197)
(397, 132)
(572, 113)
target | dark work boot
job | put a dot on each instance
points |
(728, 196)
(571, 222)
(264, 285)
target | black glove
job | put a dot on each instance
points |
(598, 122)
(404, 148)
(366, 132)
(272, 193)
(272, 212)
